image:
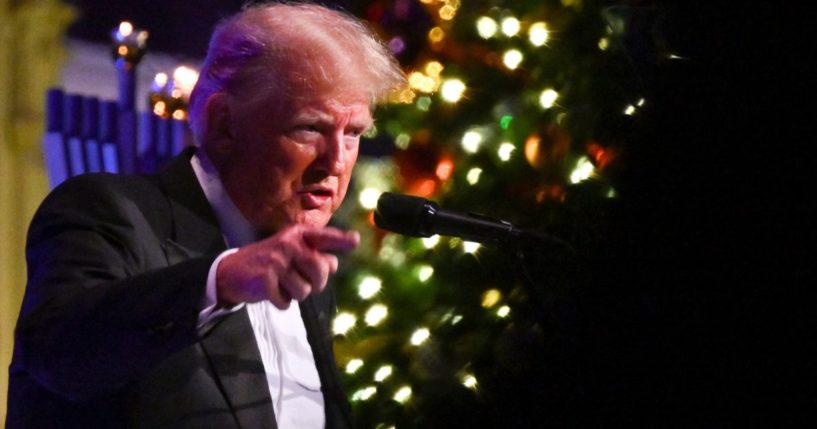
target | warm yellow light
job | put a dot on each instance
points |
(471, 141)
(436, 35)
(433, 68)
(383, 373)
(491, 297)
(376, 314)
(122, 50)
(179, 114)
(510, 26)
(629, 110)
(159, 108)
(425, 272)
(125, 28)
(470, 246)
(512, 58)
(486, 27)
(452, 90)
(538, 33)
(421, 82)
(469, 381)
(641, 102)
(584, 169)
(419, 336)
(505, 151)
(343, 323)
(369, 286)
(548, 98)
(353, 366)
(503, 311)
(430, 242)
(403, 394)
(447, 12)
(368, 198)
(364, 393)
(473, 175)
(604, 43)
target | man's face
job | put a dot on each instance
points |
(292, 160)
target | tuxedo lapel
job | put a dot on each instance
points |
(315, 312)
(234, 357)
(193, 225)
(229, 345)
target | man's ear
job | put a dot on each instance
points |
(218, 139)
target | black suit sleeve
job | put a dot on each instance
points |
(102, 305)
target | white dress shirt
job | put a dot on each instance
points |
(292, 375)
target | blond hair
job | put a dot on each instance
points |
(292, 50)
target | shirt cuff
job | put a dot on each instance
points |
(209, 313)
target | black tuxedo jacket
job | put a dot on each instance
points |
(117, 267)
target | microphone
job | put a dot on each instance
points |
(418, 217)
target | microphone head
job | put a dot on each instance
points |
(403, 214)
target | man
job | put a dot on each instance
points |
(137, 315)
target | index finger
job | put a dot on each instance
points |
(331, 240)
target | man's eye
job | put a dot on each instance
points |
(355, 132)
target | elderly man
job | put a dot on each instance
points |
(197, 297)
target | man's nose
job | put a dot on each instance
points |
(333, 157)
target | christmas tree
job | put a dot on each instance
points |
(515, 110)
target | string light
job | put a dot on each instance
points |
(419, 336)
(452, 90)
(584, 169)
(538, 33)
(469, 381)
(343, 323)
(604, 43)
(505, 121)
(486, 27)
(376, 314)
(368, 198)
(403, 394)
(364, 393)
(611, 193)
(471, 141)
(470, 246)
(503, 311)
(505, 151)
(433, 68)
(473, 175)
(383, 373)
(353, 366)
(491, 297)
(629, 110)
(548, 98)
(423, 103)
(402, 141)
(436, 35)
(369, 286)
(422, 83)
(447, 12)
(444, 169)
(430, 242)
(512, 58)
(510, 26)
(425, 272)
